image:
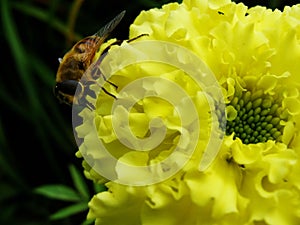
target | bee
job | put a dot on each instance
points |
(75, 62)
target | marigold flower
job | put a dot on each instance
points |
(254, 179)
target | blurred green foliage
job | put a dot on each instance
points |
(36, 138)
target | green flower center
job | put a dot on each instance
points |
(254, 117)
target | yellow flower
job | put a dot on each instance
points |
(254, 178)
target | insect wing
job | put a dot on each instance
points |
(110, 26)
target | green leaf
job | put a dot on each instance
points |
(79, 182)
(69, 211)
(42, 15)
(59, 192)
(88, 222)
(22, 62)
(99, 187)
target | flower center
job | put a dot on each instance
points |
(254, 117)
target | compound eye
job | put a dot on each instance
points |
(67, 87)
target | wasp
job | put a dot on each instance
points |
(75, 62)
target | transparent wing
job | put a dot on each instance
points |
(110, 26)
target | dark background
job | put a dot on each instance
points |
(36, 139)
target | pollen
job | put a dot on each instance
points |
(254, 117)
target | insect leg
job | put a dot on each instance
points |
(137, 37)
(98, 73)
(118, 42)
(108, 93)
(111, 83)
